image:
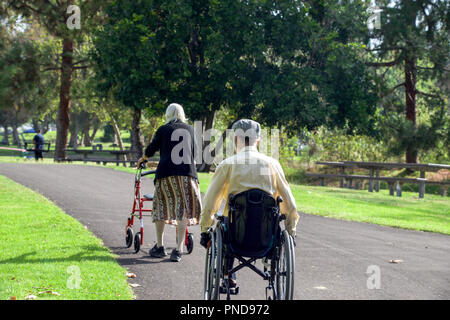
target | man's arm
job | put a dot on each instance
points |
(214, 195)
(288, 206)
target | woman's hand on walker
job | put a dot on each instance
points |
(140, 161)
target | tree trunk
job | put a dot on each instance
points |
(411, 106)
(73, 141)
(6, 135)
(95, 130)
(209, 122)
(118, 137)
(86, 137)
(137, 143)
(46, 124)
(36, 126)
(63, 119)
(74, 128)
(16, 137)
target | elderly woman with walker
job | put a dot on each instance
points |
(177, 198)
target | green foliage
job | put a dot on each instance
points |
(316, 74)
(337, 145)
(19, 79)
(108, 134)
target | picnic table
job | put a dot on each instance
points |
(374, 174)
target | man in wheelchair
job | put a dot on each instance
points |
(258, 198)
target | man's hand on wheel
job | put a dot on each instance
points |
(205, 240)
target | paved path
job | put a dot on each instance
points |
(332, 256)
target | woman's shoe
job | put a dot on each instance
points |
(175, 255)
(158, 252)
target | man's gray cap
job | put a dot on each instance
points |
(249, 127)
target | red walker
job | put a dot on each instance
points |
(138, 210)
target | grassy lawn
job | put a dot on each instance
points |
(42, 251)
(409, 212)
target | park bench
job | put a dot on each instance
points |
(103, 161)
(394, 183)
(29, 149)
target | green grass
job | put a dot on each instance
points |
(408, 212)
(40, 245)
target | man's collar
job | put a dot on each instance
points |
(249, 148)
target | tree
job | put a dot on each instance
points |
(315, 73)
(412, 46)
(188, 51)
(19, 78)
(53, 15)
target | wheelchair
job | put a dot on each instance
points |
(250, 232)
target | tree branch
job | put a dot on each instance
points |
(379, 49)
(428, 68)
(430, 95)
(78, 62)
(23, 4)
(390, 91)
(384, 64)
(51, 68)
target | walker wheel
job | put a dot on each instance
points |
(137, 242)
(129, 237)
(190, 243)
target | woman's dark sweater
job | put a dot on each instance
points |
(182, 163)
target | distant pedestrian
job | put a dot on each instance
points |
(38, 141)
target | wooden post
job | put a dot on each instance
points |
(322, 182)
(399, 189)
(349, 183)
(377, 183)
(341, 182)
(371, 180)
(444, 190)
(356, 186)
(391, 188)
(422, 184)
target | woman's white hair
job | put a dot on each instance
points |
(175, 111)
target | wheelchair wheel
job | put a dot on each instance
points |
(190, 243)
(213, 267)
(129, 237)
(137, 242)
(285, 268)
